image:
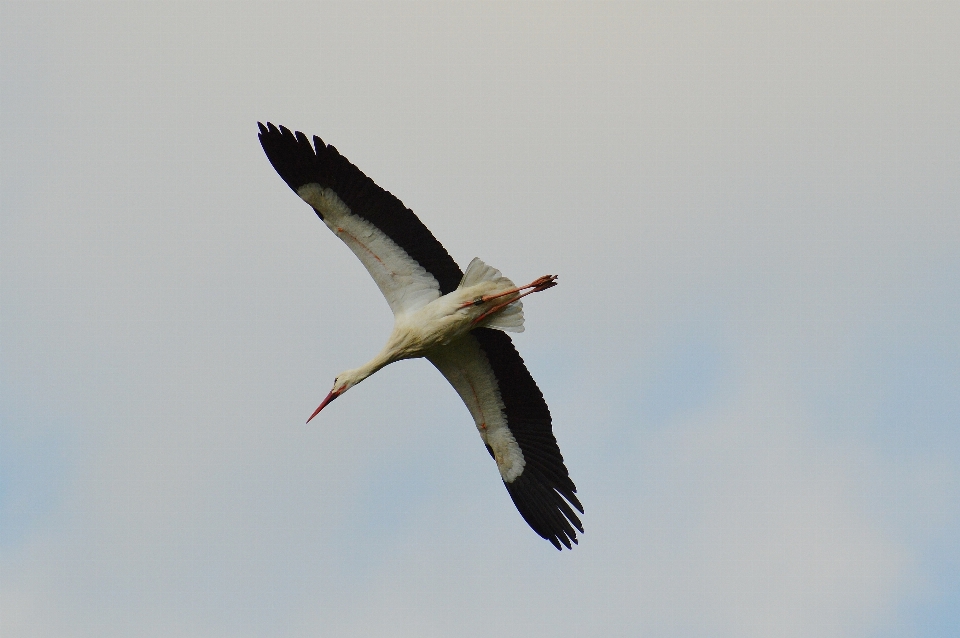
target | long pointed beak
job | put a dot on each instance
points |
(330, 397)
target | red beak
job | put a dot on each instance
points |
(330, 397)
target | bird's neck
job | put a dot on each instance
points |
(400, 345)
(384, 358)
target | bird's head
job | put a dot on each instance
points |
(343, 382)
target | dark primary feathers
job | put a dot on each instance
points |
(540, 489)
(299, 163)
(543, 493)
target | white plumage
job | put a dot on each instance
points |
(453, 319)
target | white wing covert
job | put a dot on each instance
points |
(514, 423)
(405, 284)
(411, 269)
(406, 261)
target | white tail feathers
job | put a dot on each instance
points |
(478, 271)
(510, 319)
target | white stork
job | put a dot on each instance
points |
(454, 319)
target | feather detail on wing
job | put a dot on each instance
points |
(514, 422)
(511, 317)
(409, 265)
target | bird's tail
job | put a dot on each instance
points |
(510, 319)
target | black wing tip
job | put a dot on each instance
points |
(562, 540)
(295, 159)
(543, 493)
(281, 132)
(543, 507)
(299, 163)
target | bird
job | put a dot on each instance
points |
(456, 320)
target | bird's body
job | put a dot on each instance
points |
(424, 331)
(453, 319)
(441, 321)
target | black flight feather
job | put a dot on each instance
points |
(541, 488)
(298, 163)
(539, 491)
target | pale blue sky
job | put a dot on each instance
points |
(753, 358)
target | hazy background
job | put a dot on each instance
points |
(753, 358)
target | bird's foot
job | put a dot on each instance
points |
(547, 281)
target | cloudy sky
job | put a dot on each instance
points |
(753, 358)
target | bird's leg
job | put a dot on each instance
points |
(547, 281)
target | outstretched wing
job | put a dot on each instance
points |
(406, 261)
(514, 423)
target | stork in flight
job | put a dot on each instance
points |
(454, 319)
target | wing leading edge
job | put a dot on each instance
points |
(514, 422)
(410, 265)
(301, 164)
